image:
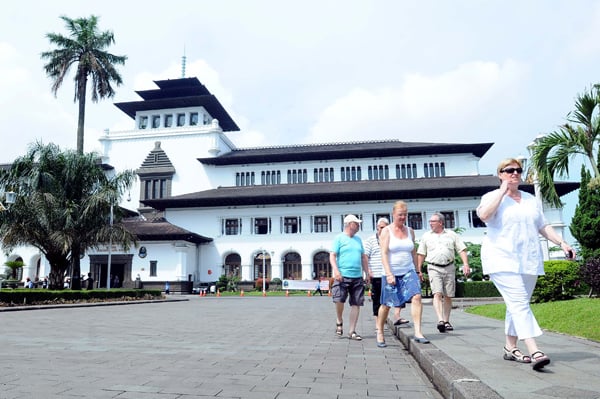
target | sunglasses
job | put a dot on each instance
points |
(510, 171)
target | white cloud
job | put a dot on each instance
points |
(428, 104)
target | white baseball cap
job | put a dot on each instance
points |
(351, 218)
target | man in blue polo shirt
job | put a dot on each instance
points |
(348, 263)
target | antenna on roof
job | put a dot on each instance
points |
(183, 59)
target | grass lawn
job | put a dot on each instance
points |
(271, 293)
(576, 317)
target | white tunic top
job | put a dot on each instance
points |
(512, 243)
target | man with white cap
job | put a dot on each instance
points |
(348, 262)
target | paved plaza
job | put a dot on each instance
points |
(275, 347)
(228, 347)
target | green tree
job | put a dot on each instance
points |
(586, 223)
(85, 46)
(62, 207)
(579, 136)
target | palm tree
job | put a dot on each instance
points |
(84, 46)
(579, 136)
(62, 208)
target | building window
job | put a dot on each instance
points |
(244, 179)
(378, 216)
(153, 267)
(358, 215)
(295, 176)
(206, 119)
(291, 225)
(155, 188)
(474, 220)
(168, 120)
(321, 224)
(449, 222)
(155, 121)
(378, 172)
(180, 119)
(143, 122)
(232, 227)
(415, 220)
(350, 173)
(323, 175)
(262, 225)
(270, 177)
(406, 171)
(193, 118)
(434, 169)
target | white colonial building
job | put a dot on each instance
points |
(208, 208)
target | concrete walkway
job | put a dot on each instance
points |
(467, 362)
(273, 347)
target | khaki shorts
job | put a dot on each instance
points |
(442, 279)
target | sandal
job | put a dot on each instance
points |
(338, 328)
(516, 355)
(401, 321)
(448, 326)
(354, 336)
(380, 344)
(539, 360)
(441, 326)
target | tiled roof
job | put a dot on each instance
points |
(365, 149)
(159, 229)
(365, 190)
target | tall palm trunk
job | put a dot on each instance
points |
(81, 90)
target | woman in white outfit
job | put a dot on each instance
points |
(511, 254)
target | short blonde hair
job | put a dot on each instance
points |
(505, 162)
(400, 205)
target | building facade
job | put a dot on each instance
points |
(208, 208)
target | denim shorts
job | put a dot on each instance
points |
(353, 287)
(405, 287)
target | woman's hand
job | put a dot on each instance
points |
(391, 279)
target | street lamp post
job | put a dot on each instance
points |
(264, 282)
(109, 248)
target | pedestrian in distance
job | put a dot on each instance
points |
(348, 263)
(318, 288)
(438, 248)
(511, 254)
(402, 281)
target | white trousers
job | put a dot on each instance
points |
(516, 289)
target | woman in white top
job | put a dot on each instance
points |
(511, 254)
(401, 282)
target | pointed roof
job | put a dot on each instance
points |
(156, 163)
(180, 93)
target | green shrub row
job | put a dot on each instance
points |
(562, 281)
(22, 296)
(476, 289)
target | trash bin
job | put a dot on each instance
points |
(137, 284)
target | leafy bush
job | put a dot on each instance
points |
(22, 296)
(277, 282)
(562, 281)
(590, 273)
(476, 289)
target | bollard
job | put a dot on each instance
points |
(241, 292)
(287, 293)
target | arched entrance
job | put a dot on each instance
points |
(233, 265)
(262, 259)
(321, 265)
(292, 266)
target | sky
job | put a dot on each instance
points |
(320, 71)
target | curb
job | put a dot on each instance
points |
(450, 378)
